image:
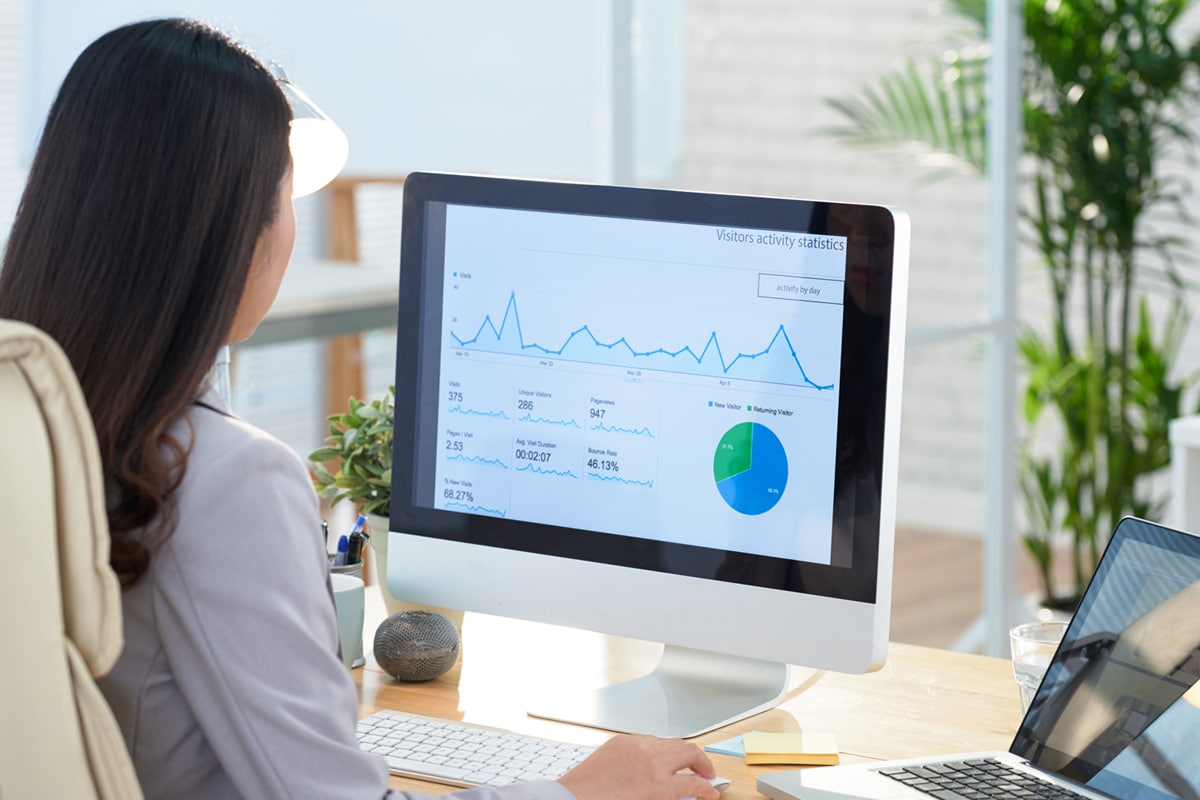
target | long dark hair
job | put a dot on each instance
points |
(158, 169)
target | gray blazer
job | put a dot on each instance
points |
(229, 685)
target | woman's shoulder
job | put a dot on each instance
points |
(239, 480)
(218, 438)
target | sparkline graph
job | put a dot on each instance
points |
(474, 413)
(494, 512)
(564, 423)
(778, 358)
(623, 481)
(487, 462)
(642, 431)
(558, 473)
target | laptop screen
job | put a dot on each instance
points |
(1119, 708)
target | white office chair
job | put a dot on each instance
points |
(60, 623)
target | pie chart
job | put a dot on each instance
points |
(750, 467)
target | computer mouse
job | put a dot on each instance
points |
(718, 783)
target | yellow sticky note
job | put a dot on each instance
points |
(790, 748)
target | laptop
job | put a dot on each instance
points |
(1117, 714)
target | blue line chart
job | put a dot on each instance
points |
(473, 413)
(627, 355)
(643, 431)
(565, 423)
(487, 462)
(596, 476)
(563, 473)
(478, 509)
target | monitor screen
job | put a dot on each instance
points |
(692, 393)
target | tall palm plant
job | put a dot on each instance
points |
(1106, 93)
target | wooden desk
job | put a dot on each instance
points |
(922, 702)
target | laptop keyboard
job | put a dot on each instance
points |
(976, 779)
(461, 754)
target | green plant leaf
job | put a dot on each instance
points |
(324, 454)
(361, 440)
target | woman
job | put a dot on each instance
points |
(156, 225)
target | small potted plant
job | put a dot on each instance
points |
(356, 465)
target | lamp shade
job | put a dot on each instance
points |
(319, 147)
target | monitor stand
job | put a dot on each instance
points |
(690, 692)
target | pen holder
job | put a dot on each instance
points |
(356, 570)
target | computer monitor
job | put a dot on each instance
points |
(660, 414)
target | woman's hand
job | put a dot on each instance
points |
(642, 768)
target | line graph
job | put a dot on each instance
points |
(558, 473)
(487, 462)
(642, 431)
(473, 509)
(565, 423)
(778, 357)
(596, 476)
(470, 412)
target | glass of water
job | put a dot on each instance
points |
(1033, 645)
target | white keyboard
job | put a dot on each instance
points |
(462, 754)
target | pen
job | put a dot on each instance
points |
(325, 531)
(357, 537)
(343, 547)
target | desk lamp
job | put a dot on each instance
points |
(319, 147)
(319, 151)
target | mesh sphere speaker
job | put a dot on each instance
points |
(416, 645)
